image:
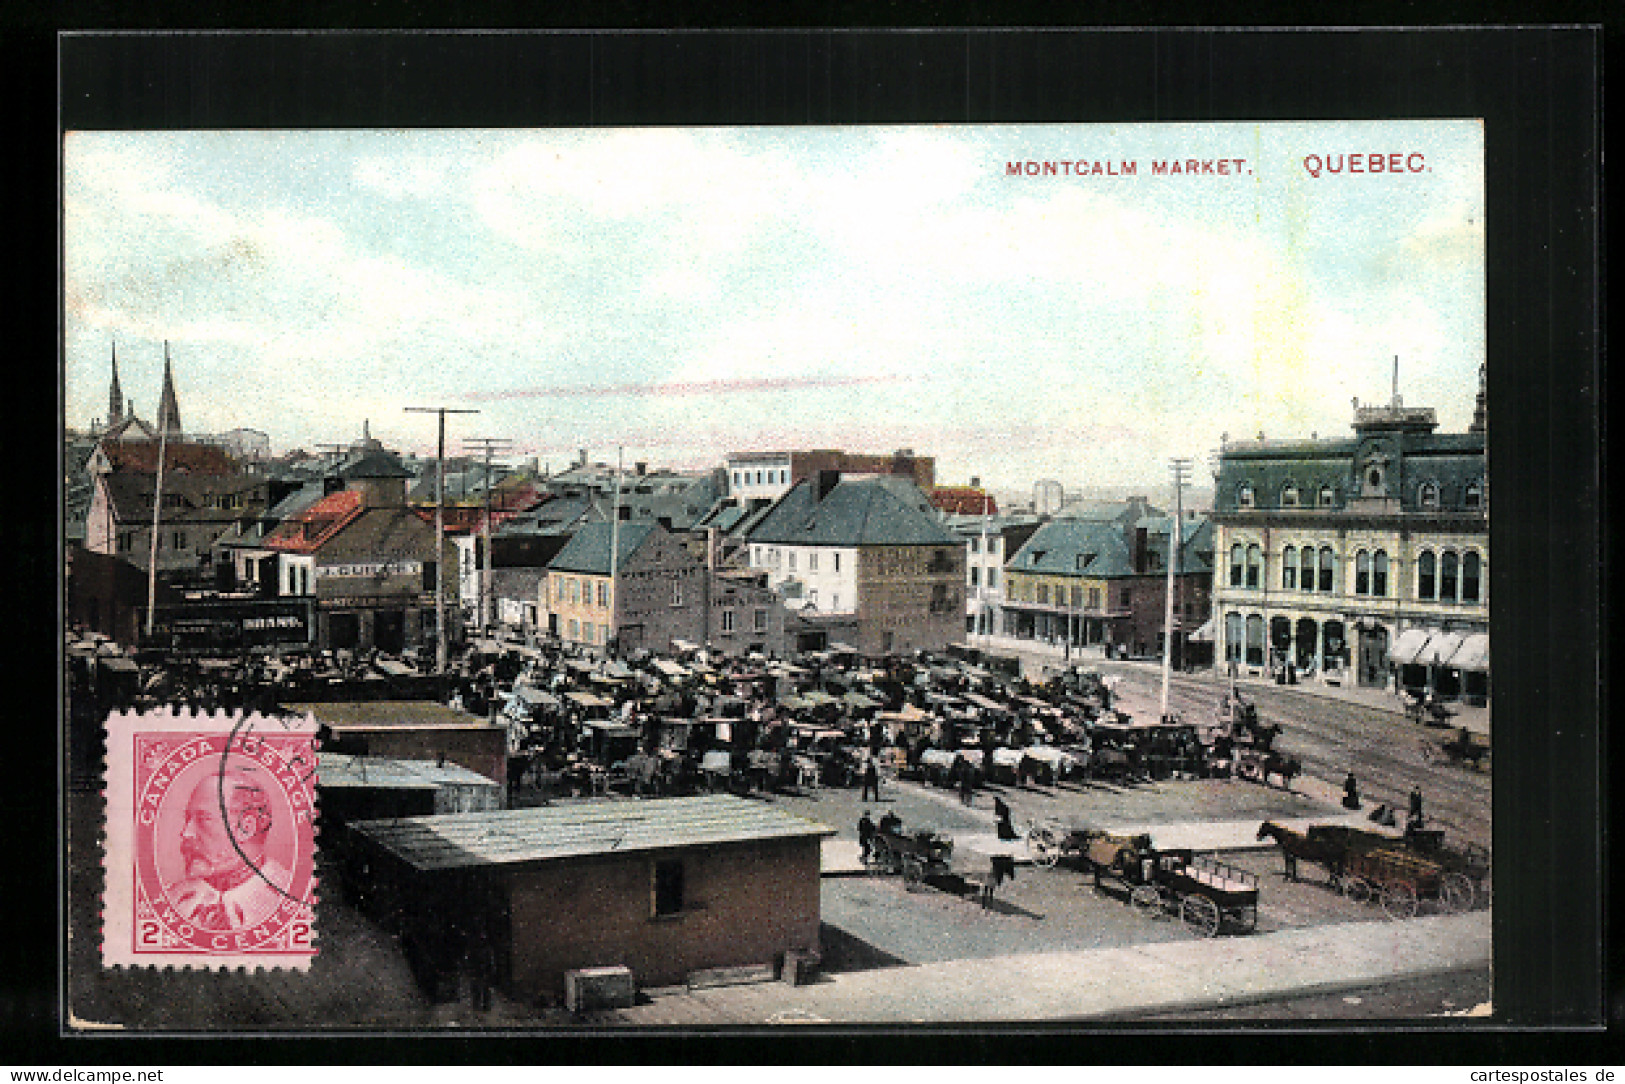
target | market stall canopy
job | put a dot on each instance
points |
(1473, 654)
(1007, 758)
(859, 701)
(588, 700)
(1408, 647)
(671, 669)
(985, 703)
(1050, 755)
(609, 729)
(907, 714)
(940, 758)
(684, 645)
(533, 698)
(394, 668)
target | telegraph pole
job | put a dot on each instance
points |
(1179, 467)
(440, 529)
(487, 444)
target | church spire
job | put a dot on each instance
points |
(115, 395)
(169, 413)
(1480, 408)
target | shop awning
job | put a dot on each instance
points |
(1440, 647)
(1408, 646)
(1473, 654)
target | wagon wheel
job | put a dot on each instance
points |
(1200, 914)
(913, 873)
(1357, 888)
(1399, 900)
(1146, 899)
(1455, 893)
(1043, 848)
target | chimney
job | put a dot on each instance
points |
(1138, 556)
(640, 469)
(827, 480)
(975, 482)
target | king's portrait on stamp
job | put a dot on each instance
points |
(210, 840)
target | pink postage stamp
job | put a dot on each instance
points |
(210, 840)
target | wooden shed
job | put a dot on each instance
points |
(665, 887)
(417, 730)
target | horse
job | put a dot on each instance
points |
(1294, 845)
(1288, 768)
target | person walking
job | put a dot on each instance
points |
(871, 781)
(1351, 793)
(967, 783)
(1001, 820)
(866, 836)
(1415, 819)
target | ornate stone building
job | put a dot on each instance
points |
(1363, 559)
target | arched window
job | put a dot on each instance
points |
(1326, 568)
(1474, 496)
(1255, 640)
(1447, 577)
(1289, 568)
(1255, 562)
(1289, 496)
(1328, 496)
(1244, 496)
(1232, 636)
(1306, 568)
(1362, 573)
(1425, 587)
(1428, 495)
(1235, 565)
(1379, 574)
(1470, 573)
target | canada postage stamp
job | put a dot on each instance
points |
(210, 840)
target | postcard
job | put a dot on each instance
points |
(858, 576)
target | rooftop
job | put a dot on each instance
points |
(387, 713)
(583, 829)
(878, 511)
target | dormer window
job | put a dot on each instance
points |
(1084, 560)
(1328, 497)
(1289, 496)
(1428, 495)
(1474, 496)
(1244, 496)
(1037, 556)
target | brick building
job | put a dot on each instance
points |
(1089, 583)
(655, 594)
(864, 561)
(665, 887)
(368, 559)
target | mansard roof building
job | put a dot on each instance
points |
(1362, 559)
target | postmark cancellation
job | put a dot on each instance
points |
(210, 840)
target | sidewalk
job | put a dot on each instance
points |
(1039, 657)
(1115, 983)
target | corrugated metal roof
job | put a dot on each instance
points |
(584, 829)
(343, 770)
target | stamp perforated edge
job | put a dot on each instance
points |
(119, 842)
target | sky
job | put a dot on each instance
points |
(682, 293)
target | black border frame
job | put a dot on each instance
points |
(1540, 94)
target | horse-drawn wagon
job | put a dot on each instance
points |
(916, 855)
(1204, 893)
(1366, 866)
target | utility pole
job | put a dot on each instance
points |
(157, 510)
(1179, 467)
(440, 529)
(613, 647)
(487, 444)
